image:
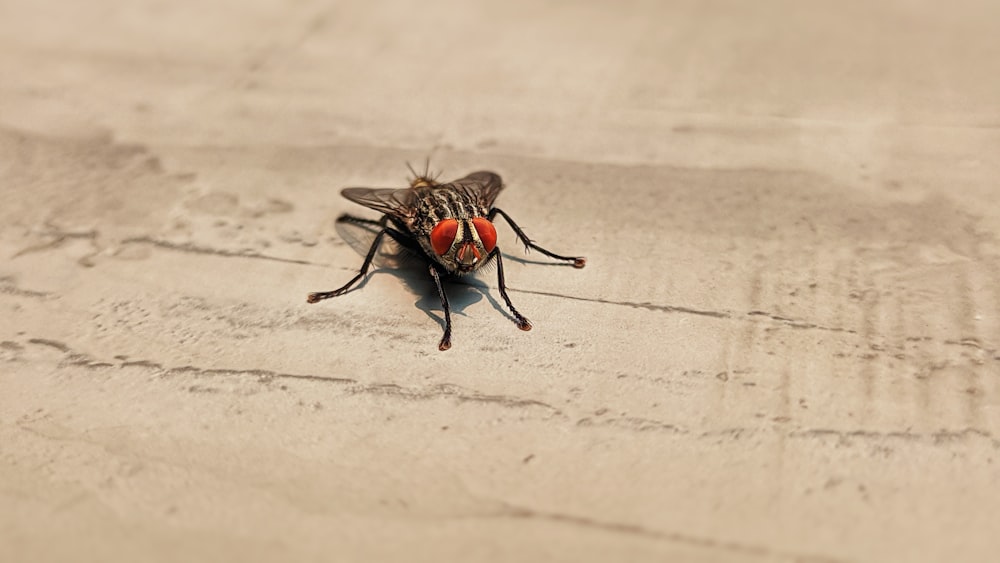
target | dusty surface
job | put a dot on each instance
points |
(784, 347)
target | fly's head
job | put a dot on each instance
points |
(462, 245)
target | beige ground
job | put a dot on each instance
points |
(784, 347)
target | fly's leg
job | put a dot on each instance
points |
(371, 224)
(360, 221)
(321, 295)
(446, 338)
(519, 319)
(578, 261)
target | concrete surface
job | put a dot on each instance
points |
(784, 347)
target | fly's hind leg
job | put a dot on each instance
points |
(578, 261)
(385, 230)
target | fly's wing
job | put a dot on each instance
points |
(360, 236)
(484, 185)
(396, 203)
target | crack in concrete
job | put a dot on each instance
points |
(352, 386)
(790, 322)
(787, 321)
(634, 305)
(192, 248)
(744, 549)
(461, 394)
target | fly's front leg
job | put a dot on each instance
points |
(578, 261)
(321, 295)
(519, 319)
(446, 338)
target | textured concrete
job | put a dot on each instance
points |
(784, 346)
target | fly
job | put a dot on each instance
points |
(449, 225)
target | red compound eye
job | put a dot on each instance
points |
(487, 233)
(443, 235)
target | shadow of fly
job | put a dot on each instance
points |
(449, 225)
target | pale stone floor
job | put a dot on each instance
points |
(785, 345)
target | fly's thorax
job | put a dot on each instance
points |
(423, 181)
(432, 205)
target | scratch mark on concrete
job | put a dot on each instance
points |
(7, 287)
(142, 363)
(940, 437)
(50, 343)
(633, 423)
(59, 238)
(796, 323)
(459, 393)
(971, 342)
(262, 375)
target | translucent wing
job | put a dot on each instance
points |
(484, 185)
(396, 203)
(360, 237)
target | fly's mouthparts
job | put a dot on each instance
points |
(468, 254)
